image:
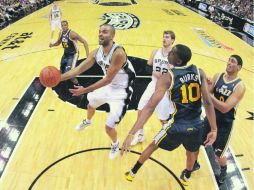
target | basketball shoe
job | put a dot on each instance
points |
(114, 152)
(184, 178)
(85, 123)
(129, 176)
(139, 138)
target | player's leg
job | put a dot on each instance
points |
(95, 99)
(225, 130)
(118, 102)
(164, 109)
(139, 136)
(191, 142)
(71, 63)
(162, 140)
(53, 28)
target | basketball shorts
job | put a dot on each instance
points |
(225, 130)
(68, 62)
(189, 135)
(165, 107)
(55, 24)
(117, 98)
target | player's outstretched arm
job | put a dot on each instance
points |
(162, 86)
(209, 108)
(85, 65)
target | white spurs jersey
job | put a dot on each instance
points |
(160, 63)
(125, 75)
(55, 14)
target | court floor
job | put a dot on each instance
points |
(44, 150)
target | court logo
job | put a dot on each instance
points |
(17, 41)
(209, 40)
(121, 20)
(114, 3)
(8, 38)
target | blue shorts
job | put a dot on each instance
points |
(225, 129)
(68, 62)
(174, 134)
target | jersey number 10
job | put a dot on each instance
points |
(188, 93)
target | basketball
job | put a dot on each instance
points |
(50, 76)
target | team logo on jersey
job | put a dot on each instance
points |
(121, 21)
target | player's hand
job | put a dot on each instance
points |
(78, 90)
(211, 137)
(209, 81)
(127, 144)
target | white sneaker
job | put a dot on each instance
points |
(139, 138)
(114, 152)
(83, 125)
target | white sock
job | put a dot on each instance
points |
(140, 132)
(115, 143)
(88, 121)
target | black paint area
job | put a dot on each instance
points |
(143, 72)
(234, 179)
(11, 130)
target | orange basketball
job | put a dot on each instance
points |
(50, 76)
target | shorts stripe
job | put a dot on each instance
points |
(160, 136)
(74, 60)
(228, 140)
(129, 90)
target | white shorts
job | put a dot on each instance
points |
(165, 107)
(54, 24)
(115, 97)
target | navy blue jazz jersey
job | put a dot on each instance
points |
(185, 93)
(70, 47)
(222, 90)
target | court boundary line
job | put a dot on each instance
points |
(239, 168)
(210, 167)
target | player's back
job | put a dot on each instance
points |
(185, 92)
(55, 13)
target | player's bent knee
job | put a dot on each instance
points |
(90, 107)
(109, 129)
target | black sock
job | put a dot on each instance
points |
(188, 173)
(136, 167)
(223, 167)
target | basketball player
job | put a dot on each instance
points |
(55, 16)
(227, 91)
(159, 62)
(115, 88)
(186, 86)
(69, 39)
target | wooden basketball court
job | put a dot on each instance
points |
(51, 154)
